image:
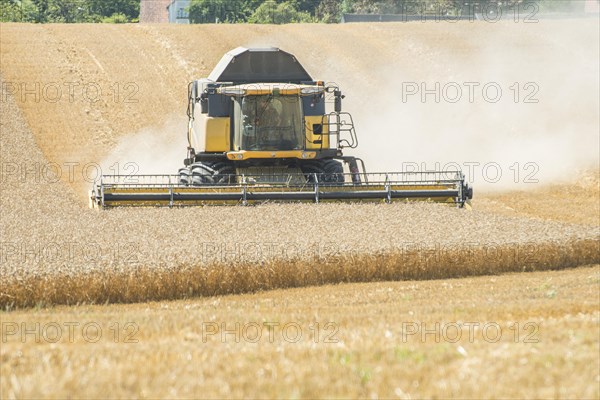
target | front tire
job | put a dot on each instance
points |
(327, 171)
(207, 173)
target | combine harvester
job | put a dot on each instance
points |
(259, 131)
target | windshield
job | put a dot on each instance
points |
(268, 123)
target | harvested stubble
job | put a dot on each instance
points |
(55, 251)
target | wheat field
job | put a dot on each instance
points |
(176, 349)
(523, 254)
(72, 255)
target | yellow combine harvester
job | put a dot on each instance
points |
(259, 131)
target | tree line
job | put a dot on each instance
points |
(70, 11)
(256, 11)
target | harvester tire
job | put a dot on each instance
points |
(202, 174)
(327, 171)
(224, 173)
(334, 171)
(185, 176)
(207, 173)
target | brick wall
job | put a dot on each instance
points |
(154, 11)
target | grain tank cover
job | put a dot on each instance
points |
(267, 65)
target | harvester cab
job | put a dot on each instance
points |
(263, 114)
(259, 130)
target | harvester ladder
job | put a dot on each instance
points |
(339, 124)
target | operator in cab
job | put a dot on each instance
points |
(266, 125)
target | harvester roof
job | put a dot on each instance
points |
(243, 65)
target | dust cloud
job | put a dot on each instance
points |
(517, 109)
(153, 150)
